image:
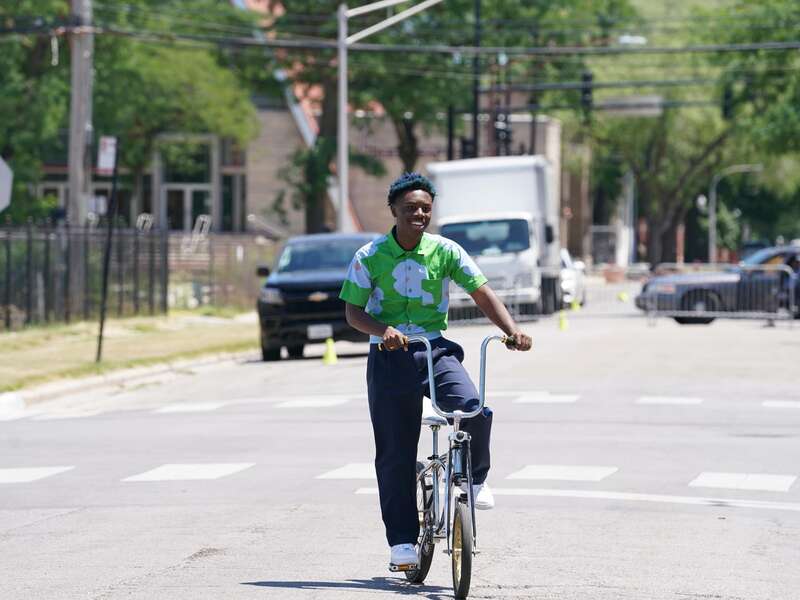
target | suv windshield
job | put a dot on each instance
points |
(483, 238)
(314, 255)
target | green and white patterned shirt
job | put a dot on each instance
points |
(409, 289)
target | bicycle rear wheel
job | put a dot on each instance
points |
(425, 544)
(462, 549)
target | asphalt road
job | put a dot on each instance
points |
(629, 461)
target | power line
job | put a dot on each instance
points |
(307, 43)
(578, 85)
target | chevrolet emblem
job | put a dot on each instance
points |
(318, 296)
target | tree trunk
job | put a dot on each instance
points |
(408, 145)
(653, 242)
(320, 162)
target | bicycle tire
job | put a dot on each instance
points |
(461, 546)
(425, 545)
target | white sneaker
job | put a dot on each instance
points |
(484, 500)
(403, 555)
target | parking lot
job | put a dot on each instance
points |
(630, 460)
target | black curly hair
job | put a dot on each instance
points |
(409, 182)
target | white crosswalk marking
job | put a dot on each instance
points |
(314, 402)
(189, 407)
(669, 400)
(744, 481)
(351, 471)
(28, 474)
(781, 404)
(546, 399)
(564, 472)
(70, 414)
(190, 471)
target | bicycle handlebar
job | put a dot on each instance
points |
(482, 387)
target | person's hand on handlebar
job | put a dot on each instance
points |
(394, 340)
(519, 341)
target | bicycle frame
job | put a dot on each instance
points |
(459, 442)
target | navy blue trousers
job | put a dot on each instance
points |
(396, 382)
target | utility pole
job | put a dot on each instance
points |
(80, 120)
(476, 72)
(344, 41)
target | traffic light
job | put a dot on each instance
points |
(586, 91)
(502, 134)
(727, 102)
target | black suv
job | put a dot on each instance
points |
(299, 303)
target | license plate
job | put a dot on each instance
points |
(320, 332)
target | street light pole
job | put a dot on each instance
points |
(344, 222)
(342, 141)
(476, 94)
(712, 203)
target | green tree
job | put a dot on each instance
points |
(33, 99)
(145, 85)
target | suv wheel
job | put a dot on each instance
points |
(295, 351)
(270, 354)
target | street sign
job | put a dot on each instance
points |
(106, 155)
(632, 106)
(6, 177)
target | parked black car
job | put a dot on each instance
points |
(299, 303)
(742, 288)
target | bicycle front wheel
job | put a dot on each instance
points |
(425, 545)
(462, 549)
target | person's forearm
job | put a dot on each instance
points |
(494, 309)
(360, 320)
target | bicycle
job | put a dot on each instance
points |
(453, 519)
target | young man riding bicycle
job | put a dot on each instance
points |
(398, 285)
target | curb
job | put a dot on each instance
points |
(14, 402)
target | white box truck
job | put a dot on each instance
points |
(504, 213)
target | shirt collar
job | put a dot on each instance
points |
(425, 246)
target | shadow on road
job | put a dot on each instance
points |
(386, 584)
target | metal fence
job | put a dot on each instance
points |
(700, 293)
(516, 296)
(217, 269)
(53, 274)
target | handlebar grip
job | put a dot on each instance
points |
(510, 342)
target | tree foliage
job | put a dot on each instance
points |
(142, 87)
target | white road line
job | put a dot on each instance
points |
(312, 402)
(669, 400)
(189, 407)
(28, 474)
(512, 394)
(67, 414)
(744, 481)
(781, 404)
(564, 472)
(546, 399)
(630, 497)
(192, 471)
(351, 471)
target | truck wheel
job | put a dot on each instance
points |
(270, 354)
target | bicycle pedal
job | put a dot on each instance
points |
(396, 568)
